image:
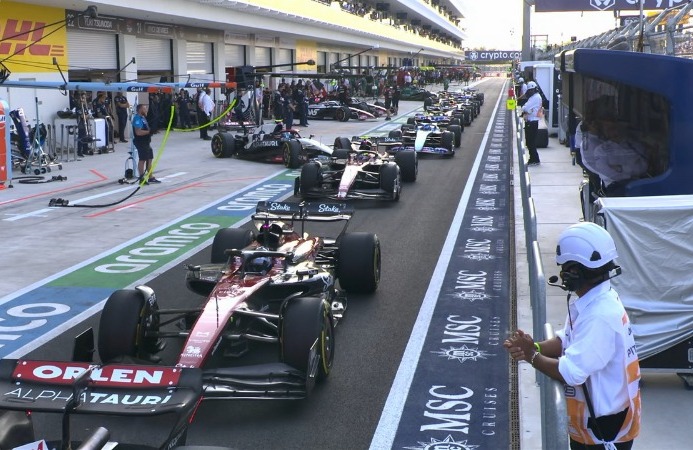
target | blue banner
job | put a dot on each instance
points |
(603, 5)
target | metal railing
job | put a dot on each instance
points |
(554, 423)
(668, 33)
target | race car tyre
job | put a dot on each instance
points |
(303, 321)
(390, 180)
(119, 326)
(343, 114)
(395, 134)
(358, 262)
(408, 163)
(457, 131)
(411, 120)
(428, 101)
(310, 178)
(379, 103)
(223, 145)
(342, 143)
(455, 120)
(447, 140)
(291, 153)
(228, 238)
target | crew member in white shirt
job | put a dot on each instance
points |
(530, 112)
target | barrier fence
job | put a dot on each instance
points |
(554, 423)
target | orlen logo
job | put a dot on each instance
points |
(23, 38)
(66, 373)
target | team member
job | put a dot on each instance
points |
(204, 113)
(142, 140)
(594, 355)
(122, 105)
(530, 112)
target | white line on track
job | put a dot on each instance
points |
(44, 211)
(392, 411)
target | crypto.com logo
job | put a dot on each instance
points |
(602, 4)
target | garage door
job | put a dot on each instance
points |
(234, 55)
(200, 57)
(154, 54)
(284, 56)
(92, 50)
(263, 56)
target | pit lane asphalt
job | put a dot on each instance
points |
(344, 411)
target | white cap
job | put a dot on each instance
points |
(531, 85)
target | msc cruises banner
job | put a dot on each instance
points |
(603, 5)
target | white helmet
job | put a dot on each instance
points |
(520, 80)
(586, 243)
(531, 85)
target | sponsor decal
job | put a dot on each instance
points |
(493, 55)
(458, 409)
(66, 373)
(91, 397)
(603, 5)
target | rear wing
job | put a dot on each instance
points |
(83, 388)
(303, 211)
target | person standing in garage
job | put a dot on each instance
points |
(122, 106)
(205, 106)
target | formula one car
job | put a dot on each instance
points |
(444, 121)
(357, 170)
(280, 146)
(423, 138)
(29, 388)
(329, 110)
(277, 288)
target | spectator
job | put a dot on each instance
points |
(142, 138)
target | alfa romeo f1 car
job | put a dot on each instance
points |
(279, 288)
(423, 138)
(358, 169)
(280, 146)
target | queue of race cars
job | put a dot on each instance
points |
(277, 290)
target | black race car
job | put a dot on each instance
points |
(329, 110)
(280, 146)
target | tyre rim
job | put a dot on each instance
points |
(376, 264)
(327, 342)
(216, 146)
(287, 155)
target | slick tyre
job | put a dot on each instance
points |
(390, 180)
(223, 145)
(304, 322)
(342, 114)
(456, 130)
(291, 153)
(358, 262)
(447, 140)
(342, 143)
(310, 178)
(119, 330)
(395, 134)
(228, 238)
(408, 163)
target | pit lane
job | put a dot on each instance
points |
(344, 412)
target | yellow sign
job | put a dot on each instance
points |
(305, 51)
(510, 104)
(27, 42)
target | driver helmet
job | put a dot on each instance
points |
(261, 264)
(366, 144)
(270, 235)
(427, 127)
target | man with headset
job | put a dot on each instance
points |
(530, 112)
(594, 355)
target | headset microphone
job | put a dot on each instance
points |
(553, 281)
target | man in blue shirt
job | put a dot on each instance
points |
(142, 138)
